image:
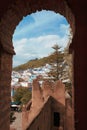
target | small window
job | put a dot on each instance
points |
(56, 119)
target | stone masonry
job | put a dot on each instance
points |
(50, 96)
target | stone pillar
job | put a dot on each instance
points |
(59, 92)
(37, 98)
(5, 90)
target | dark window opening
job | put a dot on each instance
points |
(56, 119)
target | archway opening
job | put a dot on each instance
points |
(42, 29)
(33, 40)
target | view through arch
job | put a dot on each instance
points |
(40, 40)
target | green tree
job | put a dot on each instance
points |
(56, 53)
(56, 68)
(26, 97)
(22, 95)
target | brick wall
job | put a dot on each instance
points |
(5, 80)
(43, 119)
(36, 115)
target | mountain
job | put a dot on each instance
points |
(35, 63)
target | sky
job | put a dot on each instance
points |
(37, 33)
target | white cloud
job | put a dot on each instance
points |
(37, 33)
(64, 29)
(41, 21)
(36, 47)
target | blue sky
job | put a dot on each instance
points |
(37, 33)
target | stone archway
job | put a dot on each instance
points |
(8, 23)
(20, 8)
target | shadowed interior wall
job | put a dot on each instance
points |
(5, 93)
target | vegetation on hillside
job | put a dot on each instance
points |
(38, 62)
